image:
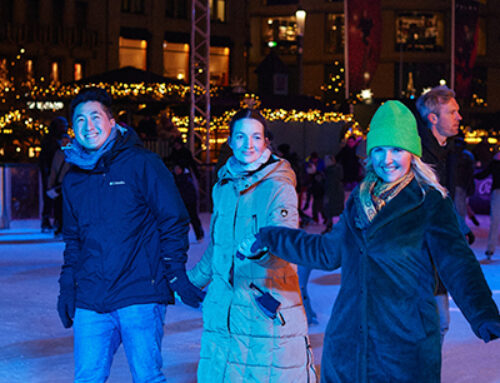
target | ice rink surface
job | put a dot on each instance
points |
(34, 347)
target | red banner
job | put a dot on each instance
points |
(466, 39)
(364, 28)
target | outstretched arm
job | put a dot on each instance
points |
(297, 246)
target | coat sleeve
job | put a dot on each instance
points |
(312, 250)
(458, 267)
(282, 212)
(72, 241)
(163, 199)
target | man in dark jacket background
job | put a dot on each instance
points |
(50, 144)
(126, 235)
(440, 120)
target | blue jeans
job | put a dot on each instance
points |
(98, 336)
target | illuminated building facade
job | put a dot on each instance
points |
(415, 48)
(66, 40)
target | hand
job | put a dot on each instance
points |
(189, 293)
(489, 331)
(66, 308)
(251, 247)
(52, 193)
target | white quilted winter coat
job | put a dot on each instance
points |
(239, 342)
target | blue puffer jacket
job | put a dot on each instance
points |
(124, 223)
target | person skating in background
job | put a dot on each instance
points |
(125, 228)
(349, 161)
(58, 170)
(465, 186)
(57, 128)
(397, 229)
(314, 167)
(182, 158)
(254, 325)
(185, 184)
(334, 191)
(440, 117)
(493, 169)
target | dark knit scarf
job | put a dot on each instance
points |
(87, 159)
(374, 194)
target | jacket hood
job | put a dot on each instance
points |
(276, 169)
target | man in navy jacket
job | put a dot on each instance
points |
(126, 234)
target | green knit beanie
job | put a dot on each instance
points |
(393, 124)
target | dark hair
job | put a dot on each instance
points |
(58, 127)
(253, 114)
(93, 94)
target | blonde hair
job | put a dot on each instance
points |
(424, 173)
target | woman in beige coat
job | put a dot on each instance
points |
(247, 337)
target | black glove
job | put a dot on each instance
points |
(489, 331)
(470, 237)
(66, 307)
(189, 293)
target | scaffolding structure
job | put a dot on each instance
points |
(199, 117)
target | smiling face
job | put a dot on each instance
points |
(390, 163)
(91, 124)
(248, 141)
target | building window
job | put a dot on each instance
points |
(29, 70)
(55, 72)
(176, 9)
(410, 79)
(133, 6)
(219, 66)
(4, 74)
(420, 31)
(280, 33)
(133, 53)
(78, 71)
(217, 10)
(176, 60)
(334, 33)
(176, 63)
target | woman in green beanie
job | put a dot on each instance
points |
(397, 228)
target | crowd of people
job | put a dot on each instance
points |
(394, 220)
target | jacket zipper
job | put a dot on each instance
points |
(231, 270)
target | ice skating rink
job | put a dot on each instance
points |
(34, 347)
